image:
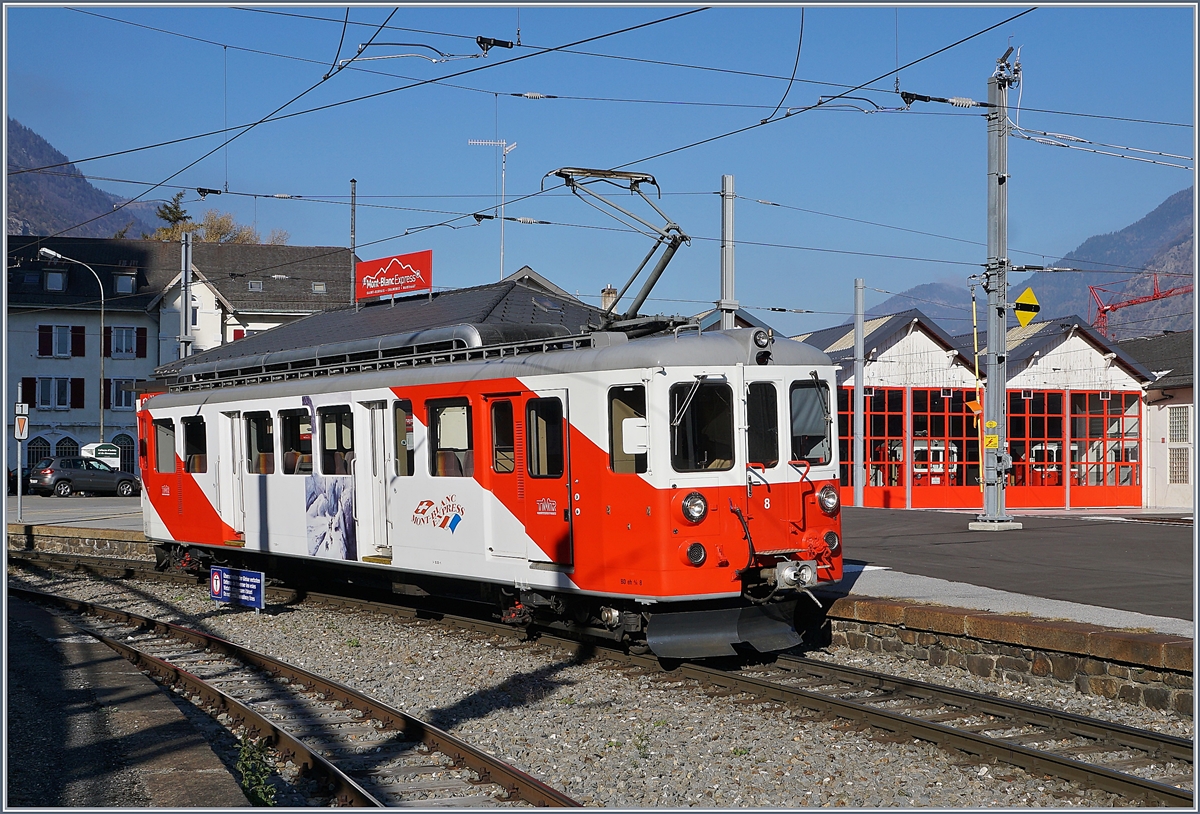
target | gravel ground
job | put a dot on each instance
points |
(617, 737)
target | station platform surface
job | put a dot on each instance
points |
(1123, 568)
(1127, 569)
(87, 729)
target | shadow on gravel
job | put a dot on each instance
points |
(518, 690)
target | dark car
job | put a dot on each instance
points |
(23, 479)
(64, 475)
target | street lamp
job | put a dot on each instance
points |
(507, 148)
(53, 255)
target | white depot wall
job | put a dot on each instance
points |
(914, 359)
(1073, 364)
(1158, 491)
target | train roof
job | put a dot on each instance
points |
(460, 356)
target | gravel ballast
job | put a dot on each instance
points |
(613, 736)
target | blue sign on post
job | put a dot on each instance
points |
(236, 587)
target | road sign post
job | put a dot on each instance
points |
(20, 432)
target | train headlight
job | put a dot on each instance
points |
(761, 338)
(831, 540)
(696, 555)
(695, 507)
(829, 500)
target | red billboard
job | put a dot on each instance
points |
(394, 275)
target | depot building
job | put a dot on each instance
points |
(1088, 424)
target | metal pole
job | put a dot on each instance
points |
(20, 476)
(185, 297)
(50, 253)
(858, 464)
(353, 269)
(996, 460)
(728, 305)
(503, 174)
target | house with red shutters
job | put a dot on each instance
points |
(77, 378)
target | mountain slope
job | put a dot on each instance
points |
(1120, 261)
(46, 203)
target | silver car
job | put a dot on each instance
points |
(62, 476)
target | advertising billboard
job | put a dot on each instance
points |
(400, 274)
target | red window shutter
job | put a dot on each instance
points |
(77, 393)
(141, 343)
(78, 341)
(29, 391)
(108, 394)
(45, 340)
(107, 341)
(238, 333)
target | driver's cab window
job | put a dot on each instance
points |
(811, 421)
(701, 426)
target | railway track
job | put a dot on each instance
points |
(356, 750)
(1134, 763)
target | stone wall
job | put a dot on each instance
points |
(96, 542)
(1151, 669)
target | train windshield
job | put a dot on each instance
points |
(811, 422)
(701, 426)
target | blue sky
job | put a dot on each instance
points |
(93, 84)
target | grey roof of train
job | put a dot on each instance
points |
(523, 298)
(613, 352)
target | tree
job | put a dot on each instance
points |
(217, 227)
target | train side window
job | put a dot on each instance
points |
(626, 401)
(504, 456)
(295, 441)
(260, 444)
(195, 445)
(337, 440)
(762, 424)
(546, 441)
(451, 441)
(402, 416)
(811, 422)
(164, 445)
(701, 426)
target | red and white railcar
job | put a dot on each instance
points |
(679, 491)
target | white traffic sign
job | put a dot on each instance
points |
(20, 427)
(20, 408)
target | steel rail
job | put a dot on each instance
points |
(1153, 743)
(1028, 758)
(490, 769)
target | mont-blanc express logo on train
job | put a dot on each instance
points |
(445, 515)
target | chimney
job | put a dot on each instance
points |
(608, 298)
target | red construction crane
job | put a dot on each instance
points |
(1103, 309)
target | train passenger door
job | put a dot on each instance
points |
(369, 471)
(773, 485)
(231, 505)
(546, 459)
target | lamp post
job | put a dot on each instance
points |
(507, 148)
(53, 255)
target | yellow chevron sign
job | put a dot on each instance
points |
(1026, 307)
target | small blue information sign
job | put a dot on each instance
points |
(236, 587)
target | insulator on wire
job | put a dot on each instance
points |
(963, 101)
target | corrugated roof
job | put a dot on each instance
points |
(1169, 356)
(513, 301)
(838, 341)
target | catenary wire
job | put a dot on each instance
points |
(411, 85)
(795, 66)
(218, 147)
(733, 71)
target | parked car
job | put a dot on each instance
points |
(23, 478)
(63, 476)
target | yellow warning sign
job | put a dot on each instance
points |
(1026, 307)
(991, 425)
(991, 441)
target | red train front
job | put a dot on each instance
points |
(673, 491)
